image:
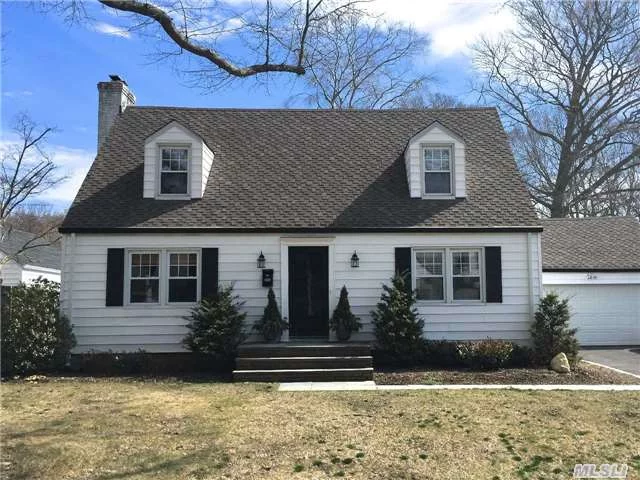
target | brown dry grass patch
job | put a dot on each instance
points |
(116, 429)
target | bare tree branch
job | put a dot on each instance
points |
(360, 62)
(277, 35)
(26, 171)
(567, 82)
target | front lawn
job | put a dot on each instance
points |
(133, 429)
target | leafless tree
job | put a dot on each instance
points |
(431, 100)
(567, 82)
(275, 35)
(39, 219)
(26, 171)
(362, 62)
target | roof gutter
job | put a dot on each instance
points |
(590, 270)
(308, 230)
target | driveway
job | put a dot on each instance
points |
(627, 359)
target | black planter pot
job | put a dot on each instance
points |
(273, 336)
(343, 333)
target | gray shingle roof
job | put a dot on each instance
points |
(598, 243)
(303, 169)
(42, 254)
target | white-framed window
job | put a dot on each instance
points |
(144, 277)
(174, 170)
(182, 284)
(451, 275)
(429, 275)
(466, 275)
(437, 164)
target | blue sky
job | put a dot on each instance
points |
(50, 70)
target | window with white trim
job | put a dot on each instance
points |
(183, 277)
(437, 170)
(466, 279)
(429, 274)
(174, 171)
(144, 277)
(448, 274)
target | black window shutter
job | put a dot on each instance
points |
(209, 281)
(493, 274)
(115, 277)
(403, 264)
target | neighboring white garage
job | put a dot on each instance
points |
(595, 262)
(25, 256)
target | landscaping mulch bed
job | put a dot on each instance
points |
(583, 374)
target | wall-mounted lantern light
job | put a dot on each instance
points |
(355, 261)
(261, 261)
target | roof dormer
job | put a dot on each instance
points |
(176, 164)
(435, 163)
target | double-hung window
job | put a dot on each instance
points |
(466, 275)
(183, 277)
(448, 274)
(429, 268)
(174, 171)
(163, 276)
(144, 284)
(437, 170)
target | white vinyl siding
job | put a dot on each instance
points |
(414, 157)
(161, 328)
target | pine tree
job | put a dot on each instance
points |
(216, 325)
(271, 324)
(398, 328)
(550, 331)
(343, 321)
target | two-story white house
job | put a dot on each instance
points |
(180, 199)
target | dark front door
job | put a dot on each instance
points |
(309, 291)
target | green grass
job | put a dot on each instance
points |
(122, 429)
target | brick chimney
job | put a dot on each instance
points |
(113, 98)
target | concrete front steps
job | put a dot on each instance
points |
(298, 362)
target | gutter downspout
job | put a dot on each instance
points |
(529, 279)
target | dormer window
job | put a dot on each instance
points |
(437, 170)
(174, 170)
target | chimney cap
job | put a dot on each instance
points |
(116, 78)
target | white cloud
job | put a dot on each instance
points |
(17, 93)
(72, 163)
(108, 29)
(452, 24)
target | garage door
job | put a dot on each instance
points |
(604, 314)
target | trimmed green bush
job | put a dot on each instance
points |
(271, 325)
(343, 321)
(550, 331)
(486, 354)
(35, 335)
(398, 328)
(216, 326)
(477, 355)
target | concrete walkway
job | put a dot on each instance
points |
(370, 385)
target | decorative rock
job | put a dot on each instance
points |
(560, 363)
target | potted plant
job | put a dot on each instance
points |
(271, 325)
(343, 321)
